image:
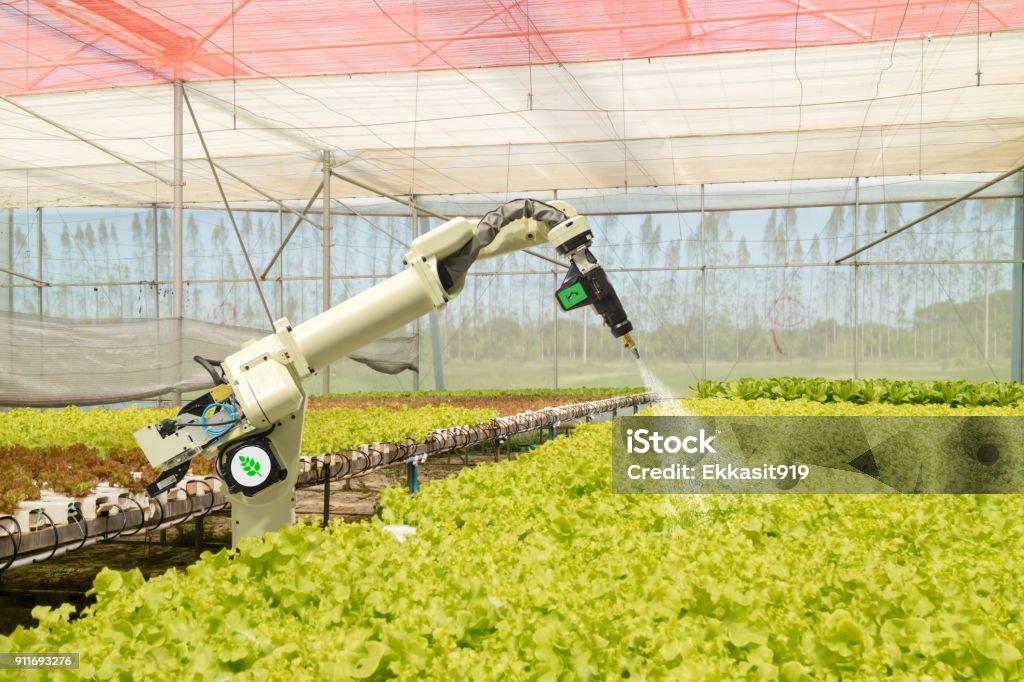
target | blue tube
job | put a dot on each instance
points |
(219, 429)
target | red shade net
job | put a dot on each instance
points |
(62, 45)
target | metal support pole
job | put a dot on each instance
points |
(326, 220)
(9, 259)
(586, 325)
(703, 294)
(920, 219)
(285, 239)
(416, 323)
(280, 268)
(435, 349)
(554, 322)
(199, 536)
(412, 476)
(435, 325)
(327, 499)
(82, 138)
(177, 250)
(39, 260)
(1017, 333)
(856, 279)
(156, 263)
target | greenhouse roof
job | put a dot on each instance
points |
(490, 97)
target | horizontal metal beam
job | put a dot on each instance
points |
(199, 206)
(508, 273)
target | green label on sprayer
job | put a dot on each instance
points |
(572, 296)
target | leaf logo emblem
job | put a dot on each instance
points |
(250, 466)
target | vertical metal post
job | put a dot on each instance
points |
(39, 260)
(9, 259)
(412, 475)
(327, 499)
(280, 264)
(1017, 333)
(856, 279)
(703, 294)
(199, 536)
(325, 197)
(586, 323)
(156, 263)
(435, 338)
(177, 250)
(435, 349)
(554, 322)
(415, 323)
(176, 257)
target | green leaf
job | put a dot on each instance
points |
(250, 466)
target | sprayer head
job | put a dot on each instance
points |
(630, 344)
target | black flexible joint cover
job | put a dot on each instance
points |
(452, 270)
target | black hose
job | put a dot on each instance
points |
(124, 523)
(212, 493)
(56, 535)
(142, 518)
(208, 487)
(15, 541)
(188, 515)
(160, 506)
(85, 529)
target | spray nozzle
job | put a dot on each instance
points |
(630, 344)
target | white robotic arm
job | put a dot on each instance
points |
(251, 422)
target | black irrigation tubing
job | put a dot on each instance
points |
(224, 504)
(15, 540)
(142, 520)
(191, 504)
(84, 525)
(56, 535)
(160, 506)
(124, 521)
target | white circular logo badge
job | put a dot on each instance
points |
(250, 466)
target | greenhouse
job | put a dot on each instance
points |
(329, 329)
